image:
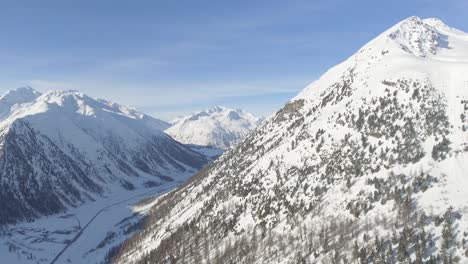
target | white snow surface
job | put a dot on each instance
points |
(42, 240)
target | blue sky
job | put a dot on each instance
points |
(169, 58)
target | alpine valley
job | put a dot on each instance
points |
(368, 164)
(74, 169)
(67, 158)
(63, 148)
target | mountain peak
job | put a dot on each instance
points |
(418, 45)
(412, 19)
(223, 110)
(419, 37)
(64, 93)
(16, 97)
(20, 95)
(217, 126)
(24, 89)
(216, 109)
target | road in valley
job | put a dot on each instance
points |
(160, 190)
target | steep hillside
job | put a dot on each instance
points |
(217, 127)
(63, 148)
(368, 164)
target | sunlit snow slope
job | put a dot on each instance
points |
(368, 164)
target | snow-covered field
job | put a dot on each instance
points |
(86, 233)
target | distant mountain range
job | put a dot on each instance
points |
(217, 127)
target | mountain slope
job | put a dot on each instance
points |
(63, 148)
(367, 164)
(218, 127)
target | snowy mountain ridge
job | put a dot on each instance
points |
(218, 127)
(63, 148)
(367, 164)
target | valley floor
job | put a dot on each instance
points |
(81, 235)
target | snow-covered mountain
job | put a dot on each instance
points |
(63, 148)
(16, 97)
(368, 164)
(218, 127)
